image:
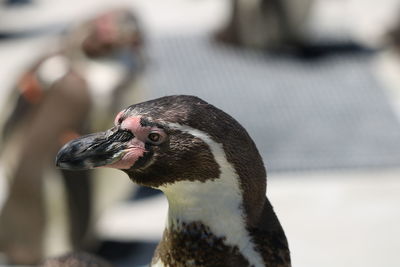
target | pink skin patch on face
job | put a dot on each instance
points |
(133, 124)
(136, 146)
(132, 154)
(106, 28)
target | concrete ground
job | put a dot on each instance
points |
(341, 218)
(332, 218)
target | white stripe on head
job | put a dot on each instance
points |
(217, 203)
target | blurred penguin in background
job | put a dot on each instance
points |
(394, 38)
(76, 259)
(96, 66)
(387, 65)
(266, 24)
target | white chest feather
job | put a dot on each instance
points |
(52, 69)
(103, 77)
(216, 203)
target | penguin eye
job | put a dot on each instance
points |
(154, 138)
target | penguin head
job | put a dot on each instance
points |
(109, 32)
(169, 139)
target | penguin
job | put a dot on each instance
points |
(393, 37)
(266, 24)
(50, 104)
(41, 123)
(76, 259)
(211, 172)
(386, 65)
(109, 50)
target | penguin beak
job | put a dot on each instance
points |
(93, 150)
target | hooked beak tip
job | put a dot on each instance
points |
(61, 160)
(88, 152)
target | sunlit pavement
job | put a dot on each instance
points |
(330, 218)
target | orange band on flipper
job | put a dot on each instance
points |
(30, 88)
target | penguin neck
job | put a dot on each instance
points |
(213, 207)
(210, 203)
